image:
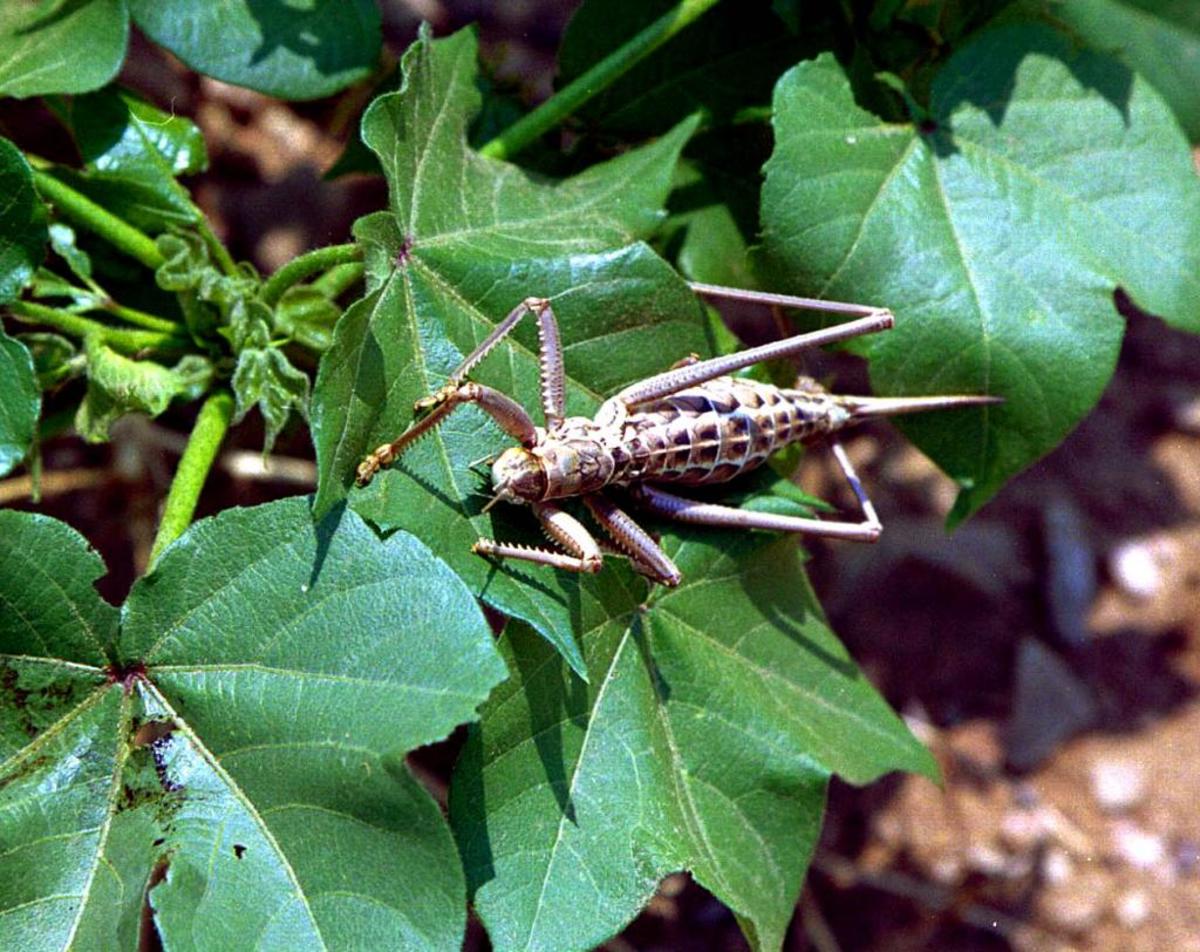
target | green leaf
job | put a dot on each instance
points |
(132, 155)
(444, 266)
(726, 60)
(20, 402)
(714, 717)
(714, 206)
(212, 301)
(1158, 38)
(287, 50)
(23, 234)
(55, 358)
(47, 285)
(63, 241)
(306, 315)
(60, 46)
(266, 377)
(117, 132)
(243, 761)
(118, 385)
(997, 233)
(50, 606)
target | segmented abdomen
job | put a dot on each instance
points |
(714, 432)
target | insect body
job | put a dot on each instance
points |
(689, 426)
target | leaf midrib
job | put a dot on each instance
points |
(123, 750)
(243, 799)
(577, 772)
(768, 676)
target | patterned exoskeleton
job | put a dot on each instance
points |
(691, 425)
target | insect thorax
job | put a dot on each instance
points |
(579, 456)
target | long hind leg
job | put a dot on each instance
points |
(553, 378)
(692, 374)
(663, 503)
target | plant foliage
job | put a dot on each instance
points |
(223, 756)
(233, 737)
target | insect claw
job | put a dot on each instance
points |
(430, 402)
(381, 457)
(366, 471)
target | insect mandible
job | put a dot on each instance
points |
(691, 425)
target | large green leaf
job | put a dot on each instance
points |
(23, 237)
(466, 240)
(997, 230)
(51, 610)
(60, 46)
(1158, 38)
(20, 402)
(290, 50)
(132, 155)
(242, 759)
(23, 233)
(715, 715)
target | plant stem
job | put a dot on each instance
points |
(119, 338)
(554, 110)
(132, 315)
(752, 114)
(194, 465)
(338, 278)
(83, 211)
(309, 263)
(216, 247)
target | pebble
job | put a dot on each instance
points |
(1186, 414)
(1057, 866)
(1025, 796)
(1077, 905)
(947, 870)
(1132, 908)
(1023, 830)
(1187, 857)
(1138, 565)
(1137, 847)
(987, 860)
(1117, 785)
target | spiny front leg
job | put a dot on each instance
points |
(553, 378)
(582, 555)
(503, 409)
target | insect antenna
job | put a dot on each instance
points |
(495, 499)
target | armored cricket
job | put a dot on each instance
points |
(691, 425)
